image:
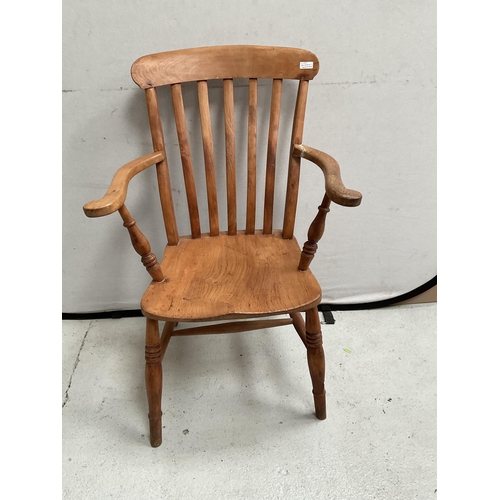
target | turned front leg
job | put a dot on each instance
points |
(316, 361)
(314, 234)
(154, 380)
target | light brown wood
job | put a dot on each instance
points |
(314, 234)
(252, 156)
(216, 63)
(316, 361)
(208, 152)
(335, 191)
(299, 325)
(166, 335)
(116, 194)
(272, 145)
(187, 166)
(164, 187)
(233, 274)
(231, 277)
(154, 381)
(334, 186)
(234, 327)
(292, 188)
(230, 156)
(141, 245)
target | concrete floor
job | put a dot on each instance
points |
(238, 412)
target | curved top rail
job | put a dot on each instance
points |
(220, 62)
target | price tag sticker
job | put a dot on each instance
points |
(306, 65)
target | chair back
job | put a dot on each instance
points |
(226, 63)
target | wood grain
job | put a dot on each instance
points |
(234, 327)
(166, 335)
(272, 144)
(164, 186)
(234, 274)
(230, 156)
(187, 164)
(292, 188)
(315, 233)
(252, 156)
(299, 325)
(221, 62)
(316, 361)
(231, 277)
(208, 153)
(334, 186)
(154, 381)
(141, 245)
(117, 192)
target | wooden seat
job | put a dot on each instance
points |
(229, 277)
(228, 272)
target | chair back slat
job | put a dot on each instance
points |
(272, 142)
(292, 188)
(164, 186)
(252, 156)
(187, 165)
(230, 156)
(225, 64)
(208, 153)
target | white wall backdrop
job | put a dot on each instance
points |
(372, 106)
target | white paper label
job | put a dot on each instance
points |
(306, 65)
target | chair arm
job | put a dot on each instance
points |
(334, 186)
(117, 192)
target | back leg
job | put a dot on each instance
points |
(316, 361)
(299, 325)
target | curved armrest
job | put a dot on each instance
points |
(117, 192)
(334, 186)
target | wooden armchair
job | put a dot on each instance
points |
(238, 273)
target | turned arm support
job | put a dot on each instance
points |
(117, 192)
(335, 191)
(334, 187)
(141, 245)
(316, 230)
